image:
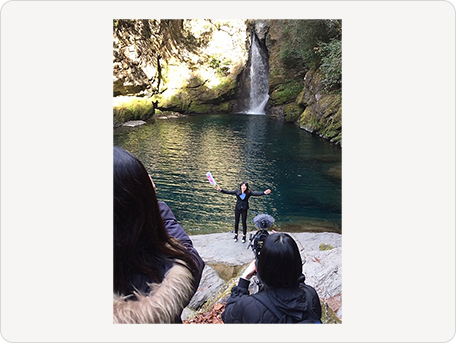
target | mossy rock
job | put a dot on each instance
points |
(308, 120)
(286, 93)
(335, 173)
(199, 108)
(327, 314)
(224, 107)
(300, 99)
(324, 247)
(324, 117)
(292, 112)
(132, 108)
(227, 86)
(177, 102)
(331, 116)
(330, 104)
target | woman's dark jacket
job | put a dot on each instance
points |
(175, 230)
(291, 304)
(242, 204)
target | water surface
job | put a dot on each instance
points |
(302, 170)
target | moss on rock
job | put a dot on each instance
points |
(292, 112)
(199, 108)
(308, 121)
(286, 93)
(132, 108)
(224, 107)
(324, 247)
(324, 116)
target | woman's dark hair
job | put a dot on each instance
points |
(142, 245)
(247, 190)
(279, 264)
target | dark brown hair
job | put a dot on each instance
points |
(142, 245)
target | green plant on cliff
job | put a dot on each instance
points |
(220, 65)
(287, 92)
(331, 64)
(304, 38)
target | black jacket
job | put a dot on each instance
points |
(242, 204)
(291, 304)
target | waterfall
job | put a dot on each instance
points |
(259, 78)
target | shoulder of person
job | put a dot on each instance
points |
(165, 211)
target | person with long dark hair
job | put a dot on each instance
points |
(156, 268)
(284, 297)
(242, 205)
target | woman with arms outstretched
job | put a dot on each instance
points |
(242, 205)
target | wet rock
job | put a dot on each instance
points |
(133, 123)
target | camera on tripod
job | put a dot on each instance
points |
(263, 222)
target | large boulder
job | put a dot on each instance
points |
(321, 253)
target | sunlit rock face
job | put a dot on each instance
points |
(203, 82)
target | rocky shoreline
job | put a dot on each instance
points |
(225, 260)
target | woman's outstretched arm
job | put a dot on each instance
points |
(225, 191)
(267, 191)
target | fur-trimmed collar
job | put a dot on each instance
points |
(163, 304)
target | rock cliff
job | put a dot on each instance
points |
(298, 92)
(202, 81)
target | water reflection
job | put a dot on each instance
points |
(266, 153)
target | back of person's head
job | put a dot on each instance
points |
(134, 196)
(280, 263)
(139, 232)
(141, 241)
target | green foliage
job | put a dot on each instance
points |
(303, 38)
(220, 64)
(287, 92)
(331, 63)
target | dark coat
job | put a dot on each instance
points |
(176, 230)
(291, 303)
(242, 204)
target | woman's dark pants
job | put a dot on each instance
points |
(237, 214)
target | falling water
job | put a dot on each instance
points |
(259, 78)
